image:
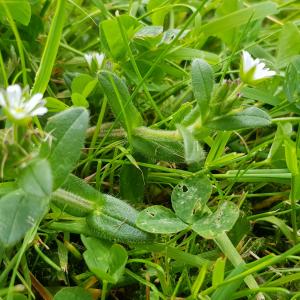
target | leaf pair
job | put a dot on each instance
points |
(23, 207)
(189, 200)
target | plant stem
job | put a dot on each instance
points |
(104, 290)
(64, 198)
(233, 255)
(158, 134)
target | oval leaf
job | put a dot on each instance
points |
(113, 229)
(171, 151)
(202, 82)
(18, 213)
(66, 137)
(217, 223)
(251, 117)
(190, 197)
(36, 178)
(159, 219)
(119, 100)
(73, 293)
(20, 10)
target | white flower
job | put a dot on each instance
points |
(18, 105)
(94, 60)
(252, 70)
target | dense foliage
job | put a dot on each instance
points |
(149, 149)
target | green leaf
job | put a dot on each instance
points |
(190, 53)
(218, 271)
(288, 44)
(158, 15)
(81, 188)
(190, 196)
(172, 151)
(20, 10)
(193, 151)
(55, 105)
(36, 178)
(239, 17)
(159, 219)
(116, 229)
(291, 85)
(66, 137)
(260, 95)
(132, 183)
(73, 293)
(111, 37)
(217, 223)
(105, 261)
(202, 82)
(83, 84)
(79, 100)
(119, 100)
(18, 213)
(44, 71)
(226, 291)
(148, 36)
(251, 117)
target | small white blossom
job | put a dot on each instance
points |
(252, 70)
(94, 60)
(18, 105)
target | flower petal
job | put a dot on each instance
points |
(88, 57)
(39, 111)
(99, 58)
(33, 102)
(248, 61)
(14, 95)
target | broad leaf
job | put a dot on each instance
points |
(159, 219)
(119, 100)
(239, 17)
(18, 213)
(291, 85)
(132, 183)
(66, 132)
(105, 261)
(251, 117)
(111, 36)
(222, 220)
(202, 82)
(36, 178)
(73, 293)
(20, 10)
(288, 44)
(190, 197)
(114, 229)
(172, 151)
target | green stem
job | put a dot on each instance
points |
(66, 199)
(2, 67)
(233, 255)
(46, 259)
(157, 134)
(104, 290)
(293, 199)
